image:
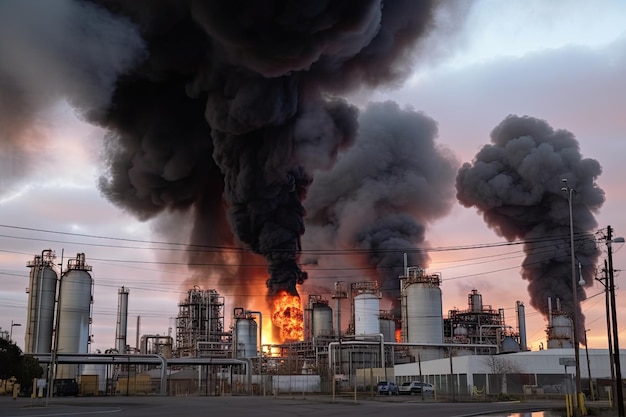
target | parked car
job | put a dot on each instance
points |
(65, 388)
(416, 387)
(387, 388)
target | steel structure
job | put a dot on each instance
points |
(479, 324)
(200, 324)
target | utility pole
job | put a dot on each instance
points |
(609, 331)
(618, 372)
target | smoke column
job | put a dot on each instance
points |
(218, 112)
(238, 99)
(379, 198)
(515, 183)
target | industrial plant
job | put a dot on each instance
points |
(212, 351)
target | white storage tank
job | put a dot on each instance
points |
(41, 302)
(74, 323)
(366, 311)
(424, 316)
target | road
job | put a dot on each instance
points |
(323, 406)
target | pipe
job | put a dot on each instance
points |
(105, 358)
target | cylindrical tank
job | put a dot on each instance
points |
(322, 320)
(366, 311)
(388, 330)
(246, 336)
(122, 320)
(475, 301)
(41, 301)
(74, 323)
(560, 334)
(424, 313)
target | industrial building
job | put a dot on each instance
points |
(469, 352)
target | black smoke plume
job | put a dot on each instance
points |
(377, 201)
(216, 110)
(240, 99)
(516, 184)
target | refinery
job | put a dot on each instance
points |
(215, 350)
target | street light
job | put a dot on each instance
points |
(591, 391)
(579, 403)
(11, 332)
(611, 285)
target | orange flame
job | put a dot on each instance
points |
(287, 316)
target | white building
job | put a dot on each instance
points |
(515, 373)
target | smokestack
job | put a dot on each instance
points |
(521, 324)
(121, 329)
(515, 183)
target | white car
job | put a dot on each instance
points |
(417, 387)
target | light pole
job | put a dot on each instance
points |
(611, 283)
(591, 391)
(11, 332)
(578, 403)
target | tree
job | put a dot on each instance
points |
(14, 363)
(500, 366)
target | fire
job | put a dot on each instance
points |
(287, 316)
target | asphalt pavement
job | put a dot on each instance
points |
(258, 406)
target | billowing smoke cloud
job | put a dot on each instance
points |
(52, 51)
(238, 98)
(376, 203)
(516, 184)
(219, 111)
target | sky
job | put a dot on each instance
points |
(561, 62)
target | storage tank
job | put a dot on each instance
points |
(245, 335)
(322, 320)
(422, 311)
(560, 333)
(74, 323)
(41, 302)
(424, 317)
(366, 307)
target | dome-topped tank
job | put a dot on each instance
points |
(75, 300)
(424, 317)
(41, 302)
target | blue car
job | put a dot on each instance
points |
(387, 388)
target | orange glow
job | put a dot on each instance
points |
(287, 316)
(398, 335)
